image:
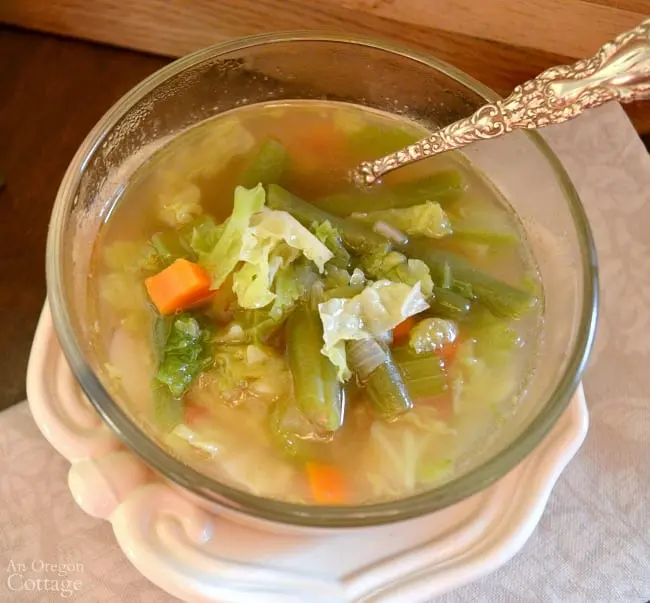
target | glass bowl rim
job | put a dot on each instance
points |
(274, 510)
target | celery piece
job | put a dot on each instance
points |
(423, 374)
(266, 166)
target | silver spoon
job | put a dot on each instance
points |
(620, 71)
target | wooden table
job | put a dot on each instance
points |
(500, 42)
(53, 90)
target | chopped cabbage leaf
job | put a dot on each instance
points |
(246, 371)
(205, 234)
(396, 267)
(129, 256)
(179, 204)
(485, 377)
(380, 307)
(407, 450)
(216, 146)
(223, 258)
(280, 225)
(427, 219)
(253, 466)
(483, 368)
(133, 364)
(495, 337)
(125, 293)
(271, 231)
(282, 256)
(209, 150)
(184, 432)
(252, 281)
(432, 334)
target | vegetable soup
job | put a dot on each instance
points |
(291, 335)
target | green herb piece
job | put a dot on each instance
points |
(184, 351)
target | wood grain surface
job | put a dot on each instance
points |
(52, 91)
(500, 42)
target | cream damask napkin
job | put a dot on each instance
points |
(593, 542)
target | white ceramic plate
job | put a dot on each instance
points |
(201, 556)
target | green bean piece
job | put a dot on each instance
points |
(266, 166)
(473, 233)
(356, 235)
(442, 187)
(448, 304)
(423, 374)
(501, 299)
(387, 390)
(317, 390)
(375, 140)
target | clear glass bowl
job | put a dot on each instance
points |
(365, 72)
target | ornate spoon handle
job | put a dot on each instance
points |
(620, 71)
